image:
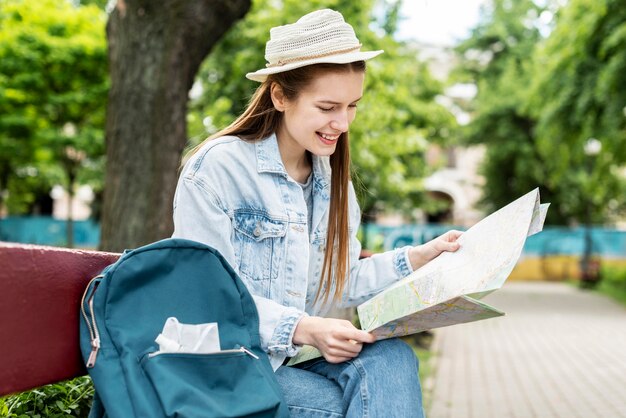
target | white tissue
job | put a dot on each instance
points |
(188, 338)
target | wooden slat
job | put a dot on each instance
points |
(40, 292)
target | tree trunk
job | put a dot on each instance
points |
(5, 172)
(155, 50)
(71, 183)
(368, 215)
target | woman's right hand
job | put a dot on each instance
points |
(337, 339)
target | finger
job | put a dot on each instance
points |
(335, 360)
(453, 235)
(350, 332)
(342, 346)
(338, 352)
(446, 245)
(450, 246)
(348, 348)
(360, 336)
(344, 351)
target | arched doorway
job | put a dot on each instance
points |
(444, 208)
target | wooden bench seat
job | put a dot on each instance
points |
(40, 292)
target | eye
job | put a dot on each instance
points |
(353, 106)
(325, 109)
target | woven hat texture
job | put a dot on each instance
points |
(322, 36)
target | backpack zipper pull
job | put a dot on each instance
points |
(93, 328)
(250, 353)
(95, 346)
(95, 341)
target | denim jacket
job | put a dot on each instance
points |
(237, 197)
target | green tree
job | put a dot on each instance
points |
(53, 87)
(497, 57)
(397, 116)
(579, 94)
(541, 99)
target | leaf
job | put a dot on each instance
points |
(53, 73)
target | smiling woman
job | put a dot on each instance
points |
(272, 193)
(315, 119)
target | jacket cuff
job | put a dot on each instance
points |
(282, 339)
(401, 261)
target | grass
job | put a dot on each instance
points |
(71, 398)
(613, 283)
(421, 344)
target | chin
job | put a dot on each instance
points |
(324, 151)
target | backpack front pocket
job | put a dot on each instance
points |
(228, 383)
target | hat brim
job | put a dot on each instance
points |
(262, 74)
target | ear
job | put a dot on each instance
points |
(278, 97)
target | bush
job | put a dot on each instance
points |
(71, 398)
(613, 283)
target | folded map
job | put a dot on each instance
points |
(446, 291)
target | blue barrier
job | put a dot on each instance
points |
(553, 240)
(557, 240)
(45, 230)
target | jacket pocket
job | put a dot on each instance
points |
(259, 245)
(228, 383)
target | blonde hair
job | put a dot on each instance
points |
(261, 119)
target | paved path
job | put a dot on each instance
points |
(558, 352)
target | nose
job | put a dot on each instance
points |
(341, 122)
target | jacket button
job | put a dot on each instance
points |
(257, 231)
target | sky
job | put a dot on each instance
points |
(440, 22)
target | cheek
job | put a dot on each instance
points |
(316, 121)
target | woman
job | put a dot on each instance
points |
(272, 193)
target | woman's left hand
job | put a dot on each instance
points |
(422, 254)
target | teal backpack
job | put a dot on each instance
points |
(123, 311)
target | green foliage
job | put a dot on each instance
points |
(540, 99)
(53, 85)
(397, 116)
(580, 93)
(497, 58)
(613, 283)
(66, 399)
(99, 3)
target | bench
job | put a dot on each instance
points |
(40, 292)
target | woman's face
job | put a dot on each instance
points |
(320, 114)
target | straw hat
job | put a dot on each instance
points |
(318, 37)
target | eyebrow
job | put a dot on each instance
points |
(336, 103)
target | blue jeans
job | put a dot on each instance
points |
(381, 382)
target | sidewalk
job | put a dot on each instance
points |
(558, 352)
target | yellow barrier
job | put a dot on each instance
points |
(556, 267)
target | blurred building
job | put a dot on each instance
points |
(457, 185)
(80, 208)
(456, 182)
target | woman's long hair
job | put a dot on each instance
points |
(261, 119)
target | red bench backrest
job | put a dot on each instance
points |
(40, 293)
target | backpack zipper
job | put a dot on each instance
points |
(93, 328)
(241, 349)
(250, 353)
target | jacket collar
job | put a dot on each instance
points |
(268, 160)
(268, 156)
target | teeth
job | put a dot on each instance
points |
(329, 137)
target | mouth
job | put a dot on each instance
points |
(328, 139)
